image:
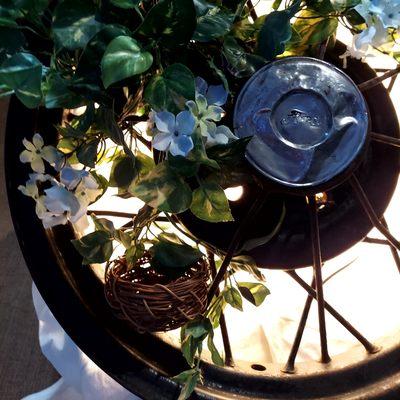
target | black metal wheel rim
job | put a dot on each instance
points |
(142, 362)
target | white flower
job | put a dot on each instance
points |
(36, 152)
(218, 134)
(378, 18)
(207, 110)
(361, 44)
(87, 191)
(204, 112)
(174, 133)
(31, 190)
(71, 177)
(61, 205)
(387, 11)
(58, 205)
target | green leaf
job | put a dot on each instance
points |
(322, 7)
(163, 189)
(7, 21)
(255, 293)
(198, 328)
(122, 59)
(68, 131)
(246, 30)
(172, 89)
(216, 311)
(11, 41)
(232, 297)
(123, 238)
(105, 120)
(276, 4)
(202, 7)
(354, 18)
(95, 247)
(57, 93)
(189, 379)
(101, 181)
(174, 255)
(134, 253)
(144, 164)
(321, 30)
(311, 29)
(9, 13)
(241, 63)
(126, 4)
(276, 32)
(87, 153)
(199, 154)
(229, 153)
(215, 356)
(210, 203)
(90, 60)
(85, 121)
(103, 224)
(123, 171)
(35, 7)
(213, 24)
(171, 22)
(221, 75)
(74, 24)
(183, 376)
(257, 242)
(23, 74)
(247, 263)
(182, 166)
(89, 64)
(189, 349)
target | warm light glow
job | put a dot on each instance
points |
(234, 193)
(78, 111)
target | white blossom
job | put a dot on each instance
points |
(35, 152)
(218, 134)
(379, 16)
(57, 205)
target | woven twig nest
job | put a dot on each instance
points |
(152, 302)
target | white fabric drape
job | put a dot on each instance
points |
(81, 378)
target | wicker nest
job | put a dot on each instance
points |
(152, 302)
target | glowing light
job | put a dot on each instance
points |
(78, 111)
(234, 193)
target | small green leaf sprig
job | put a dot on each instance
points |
(195, 333)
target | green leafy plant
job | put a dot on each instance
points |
(155, 82)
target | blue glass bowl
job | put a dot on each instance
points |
(308, 119)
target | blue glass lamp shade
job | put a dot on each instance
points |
(308, 119)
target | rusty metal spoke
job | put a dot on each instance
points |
(379, 137)
(379, 79)
(371, 348)
(252, 10)
(376, 241)
(392, 81)
(222, 322)
(363, 199)
(290, 364)
(317, 266)
(237, 237)
(393, 250)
